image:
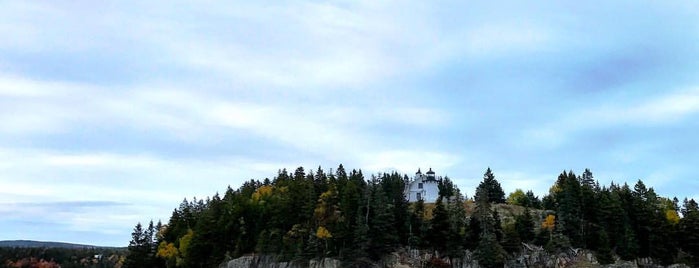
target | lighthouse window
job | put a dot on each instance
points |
(419, 186)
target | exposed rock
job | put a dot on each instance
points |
(270, 262)
(530, 256)
(325, 263)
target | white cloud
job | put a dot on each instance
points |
(649, 111)
(407, 161)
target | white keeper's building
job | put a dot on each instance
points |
(423, 187)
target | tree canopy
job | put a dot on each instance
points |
(348, 216)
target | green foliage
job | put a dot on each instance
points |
(418, 227)
(438, 234)
(604, 252)
(492, 187)
(381, 223)
(517, 198)
(87, 257)
(689, 231)
(489, 252)
(524, 226)
(302, 215)
(142, 248)
(511, 241)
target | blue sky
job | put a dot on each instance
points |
(113, 112)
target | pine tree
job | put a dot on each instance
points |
(208, 247)
(393, 186)
(489, 252)
(493, 188)
(589, 222)
(533, 200)
(568, 210)
(511, 241)
(457, 225)
(141, 249)
(627, 246)
(524, 226)
(352, 200)
(604, 251)
(382, 233)
(689, 231)
(417, 226)
(439, 227)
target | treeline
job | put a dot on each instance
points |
(306, 215)
(61, 257)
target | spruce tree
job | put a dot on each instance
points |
(524, 226)
(489, 252)
(689, 231)
(604, 251)
(141, 251)
(457, 224)
(418, 229)
(439, 227)
(382, 233)
(493, 188)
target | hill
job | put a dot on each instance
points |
(43, 244)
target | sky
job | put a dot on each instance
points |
(113, 112)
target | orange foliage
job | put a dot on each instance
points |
(549, 223)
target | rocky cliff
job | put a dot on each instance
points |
(531, 256)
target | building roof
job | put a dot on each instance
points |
(430, 172)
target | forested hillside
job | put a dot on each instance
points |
(55, 255)
(358, 219)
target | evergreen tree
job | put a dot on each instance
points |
(394, 186)
(524, 226)
(439, 227)
(511, 241)
(568, 209)
(384, 236)
(457, 225)
(589, 210)
(352, 202)
(141, 249)
(689, 231)
(604, 251)
(344, 216)
(497, 226)
(493, 188)
(489, 252)
(208, 247)
(533, 200)
(418, 229)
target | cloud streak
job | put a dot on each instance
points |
(113, 112)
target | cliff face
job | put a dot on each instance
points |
(531, 256)
(269, 262)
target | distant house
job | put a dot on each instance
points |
(423, 187)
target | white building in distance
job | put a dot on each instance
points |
(423, 187)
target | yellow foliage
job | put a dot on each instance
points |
(167, 250)
(263, 191)
(672, 216)
(326, 210)
(323, 233)
(549, 223)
